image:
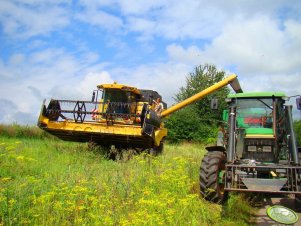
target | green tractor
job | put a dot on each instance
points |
(256, 150)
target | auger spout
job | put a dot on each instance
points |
(232, 80)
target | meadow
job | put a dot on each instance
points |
(45, 181)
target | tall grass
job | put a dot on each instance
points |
(50, 182)
(19, 131)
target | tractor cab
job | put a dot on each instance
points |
(256, 127)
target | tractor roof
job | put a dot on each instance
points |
(257, 94)
(120, 87)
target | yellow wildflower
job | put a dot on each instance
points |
(12, 201)
(4, 179)
(20, 157)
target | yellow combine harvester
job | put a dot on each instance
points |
(118, 115)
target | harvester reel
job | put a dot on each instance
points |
(79, 112)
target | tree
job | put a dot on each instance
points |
(198, 121)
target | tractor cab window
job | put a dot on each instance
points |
(256, 113)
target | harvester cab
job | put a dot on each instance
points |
(259, 151)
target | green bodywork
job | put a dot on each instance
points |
(264, 131)
(257, 94)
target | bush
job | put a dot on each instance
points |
(186, 125)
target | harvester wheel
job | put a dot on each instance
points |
(211, 176)
(115, 154)
(157, 150)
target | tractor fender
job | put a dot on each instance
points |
(216, 148)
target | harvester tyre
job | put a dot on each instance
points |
(155, 151)
(211, 188)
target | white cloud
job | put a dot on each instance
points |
(168, 19)
(140, 7)
(257, 46)
(95, 13)
(173, 19)
(165, 77)
(194, 19)
(142, 25)
(51, 73)
(30, 18)
(191, 55)
(96, 4)
(90, 82)
(100, 18)
(266, 57)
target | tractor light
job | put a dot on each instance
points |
(252, 148)
(267, 148)
(273, 173)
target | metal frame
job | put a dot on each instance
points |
(233, 181)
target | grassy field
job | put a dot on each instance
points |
(51, 182)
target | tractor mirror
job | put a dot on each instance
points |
(298, 102)
(214, 103)
(93, 96)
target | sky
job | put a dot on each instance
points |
(62, 49)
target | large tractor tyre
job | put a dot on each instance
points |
(211, 177)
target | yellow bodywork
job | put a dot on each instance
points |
(232, 80)
(267, 136)
(103, 128)
(120, 87)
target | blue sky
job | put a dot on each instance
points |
(63, 49)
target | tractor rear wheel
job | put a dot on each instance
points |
(211, 176)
